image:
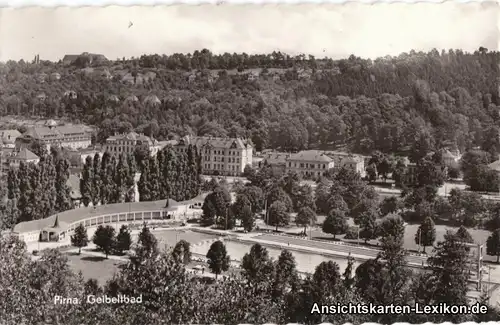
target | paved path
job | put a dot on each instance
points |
(89, 251)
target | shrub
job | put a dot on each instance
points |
(351, 233)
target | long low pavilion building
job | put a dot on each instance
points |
(61, 225)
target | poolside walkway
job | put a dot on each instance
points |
(89, 251)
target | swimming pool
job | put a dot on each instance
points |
(305, 262)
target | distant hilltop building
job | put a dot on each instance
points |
(70, 136)
(88, 57)
(220, 156)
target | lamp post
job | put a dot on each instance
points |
(310, 230)
(227, 207)
(265, 211)
(419, 239)
(357, 241)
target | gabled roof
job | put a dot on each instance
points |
(25, 154)
(71, 216)
(130, 136)
(57, 132)
(495, 166)
(274, 158)
(216, 142)
(310, 155)
(352, 160)
(9, 136)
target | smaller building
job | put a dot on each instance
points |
(495, 166)
(8, 138)
(24, 156)
(451, 157)
(55, 232)
(309, 163)
(277, 161)
(345, 159)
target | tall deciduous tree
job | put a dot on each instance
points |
(104, 239)
(305, 217)
(335, 223)
(247, 218)
(285, 276)
(426, 233)
(96, 180)
(448, 282)
(493, 244)
(182, 251)
(218, 260)
(464, 235)
(257, 265)
(123, 240)
(147, 244)
(79, 238)
(278, 215)
(86, 181)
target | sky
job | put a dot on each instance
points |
(365, 30)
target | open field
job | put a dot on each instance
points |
(102, 269)
(95, 267)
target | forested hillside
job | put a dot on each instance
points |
(290, 103)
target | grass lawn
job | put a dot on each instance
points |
(95, 267)
(103, 269)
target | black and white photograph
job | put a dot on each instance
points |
(250, 164)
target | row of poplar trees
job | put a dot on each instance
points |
(38, 191)
(171, 175)
(109, 179)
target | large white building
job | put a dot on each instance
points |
(309, 163)
(70, 136)
(220, 156)
(313, 163)
(127, 143)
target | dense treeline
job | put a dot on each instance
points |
(264, 291)
(108, 180)
(385, 104)
(37, 191)
(170, 174)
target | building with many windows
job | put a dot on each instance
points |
(70, 136)
(309, 163)
(220, 156)
(128, 143)
(345, 159)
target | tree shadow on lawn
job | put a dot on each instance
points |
(94, 258)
